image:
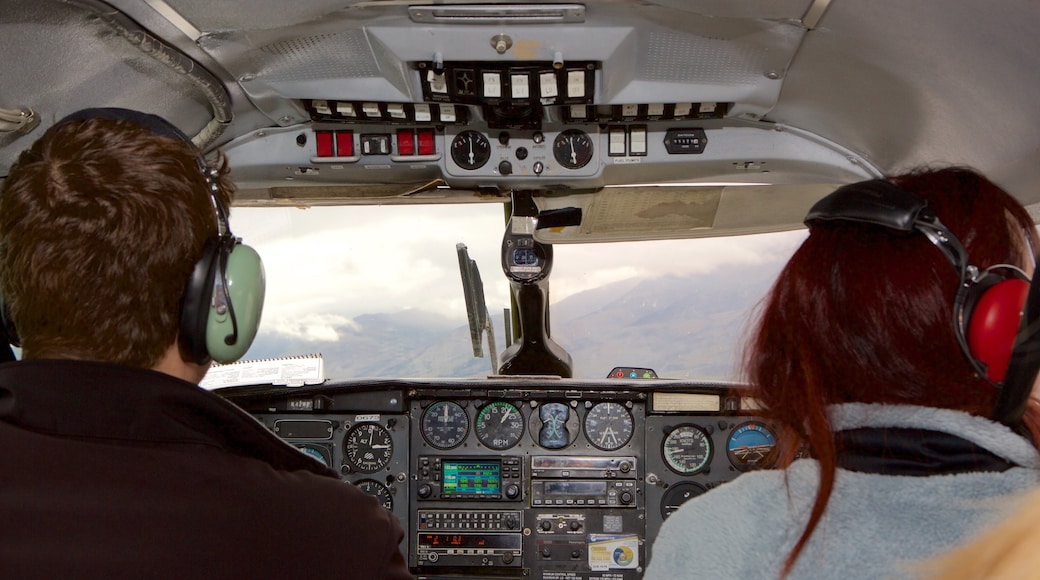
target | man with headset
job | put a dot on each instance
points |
(121, 280)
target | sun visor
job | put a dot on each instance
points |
(665, 212)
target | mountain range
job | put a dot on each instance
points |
(682, 327)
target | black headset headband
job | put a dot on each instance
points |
(881, 203)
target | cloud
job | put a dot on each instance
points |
(326, 266)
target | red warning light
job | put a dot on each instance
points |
(323, 140)
(345, 143)
(405, 142)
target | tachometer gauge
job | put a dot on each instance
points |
(573, 149)
(499, 425)
(368, 447)
(380, 491)
(751, 446)
(445, 425)
(470, 150)
(687, 449)
(608, 426)
(677, 495)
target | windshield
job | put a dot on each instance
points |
(377, 291)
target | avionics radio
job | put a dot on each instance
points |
(494, 478)
(469, 538)
(583, 481)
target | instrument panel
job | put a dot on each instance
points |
(522, 478)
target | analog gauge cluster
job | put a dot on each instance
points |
(369, 451)
(524, 153)
(500, 425)
(688, 455)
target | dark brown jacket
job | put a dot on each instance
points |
(113, 472)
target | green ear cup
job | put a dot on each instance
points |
(231, 330)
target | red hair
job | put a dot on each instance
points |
(864, 314)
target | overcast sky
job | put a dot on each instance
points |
(326, 265)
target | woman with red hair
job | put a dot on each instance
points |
(864, 361)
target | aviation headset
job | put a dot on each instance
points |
(987, 308)
(221, 305)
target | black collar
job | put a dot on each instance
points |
(100, 401)
(913, 452)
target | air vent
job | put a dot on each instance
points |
(498, 14)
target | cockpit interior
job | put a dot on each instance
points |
(594, 122)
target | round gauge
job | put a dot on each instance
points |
(368, 447)
(445, 425)
(499, 425)
(573, 149)
(319, 453)
(470, 150)
(677, 495)
(554, 426)
(608, 426)
(380, 491)
(687, 449)
(751, 445)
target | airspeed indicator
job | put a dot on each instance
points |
(687, 449)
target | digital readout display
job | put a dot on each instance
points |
(579, 488)
(472, 477)
(470, 541)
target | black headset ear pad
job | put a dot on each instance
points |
(990, 319)
(197, 300)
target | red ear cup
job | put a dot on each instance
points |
(994, 324)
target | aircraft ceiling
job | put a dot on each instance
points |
(789, 93)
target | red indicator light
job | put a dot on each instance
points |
(426, 146)
(405, 142)
(345, 143)
(620, 374)
(324, 143)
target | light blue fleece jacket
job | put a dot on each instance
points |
(875, 526)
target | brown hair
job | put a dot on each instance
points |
(101, 223)
(863, 314)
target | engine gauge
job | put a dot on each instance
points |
(470, 150)
(677, 495)
(499, 425)
(687, 449)
(573, 149)
(368, 447)
(608, 426)
(319, 452)
(445, 425)
(750, 446)
(380, 491)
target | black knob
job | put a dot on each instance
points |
(505, 168)
(575, 525)
(503, 138)
(575, 554)
(510, 522)
(521, 153)
(512, 491)
(424, 491)
(625, 467)
(546, 553)
(546, 525)
(507, 558)
(625, 497)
